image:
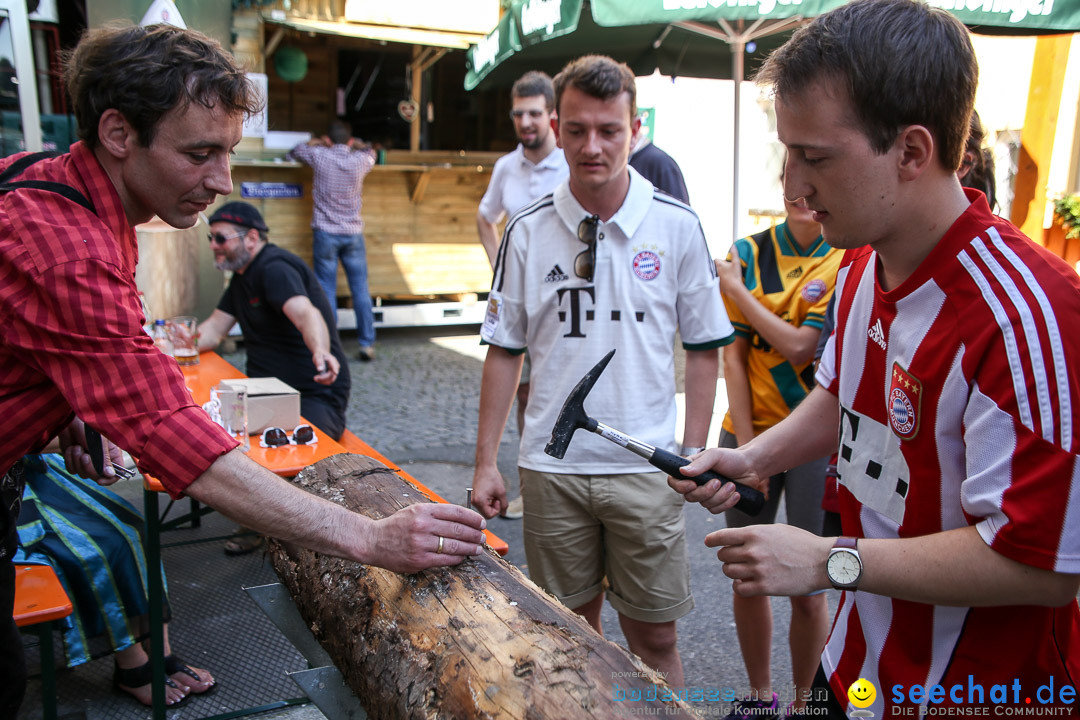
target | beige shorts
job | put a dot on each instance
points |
(626, 530)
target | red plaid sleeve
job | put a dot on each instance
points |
(71, 340)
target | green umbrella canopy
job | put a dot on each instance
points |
(1024, 17)
(546, 34)
(691, 38)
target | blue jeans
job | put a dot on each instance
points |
(328, 248)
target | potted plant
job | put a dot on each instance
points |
(1064, 240)
(1067, 211)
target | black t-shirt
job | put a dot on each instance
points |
(275, 348)
(661, 170)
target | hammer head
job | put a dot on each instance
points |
(572, 416)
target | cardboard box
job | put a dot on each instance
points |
(271, 403)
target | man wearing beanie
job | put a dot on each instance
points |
(289, 329)
(288, 326)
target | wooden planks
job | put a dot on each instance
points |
(429, 247)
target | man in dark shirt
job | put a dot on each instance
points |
(659, 168)
(288, 326)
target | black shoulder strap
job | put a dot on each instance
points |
(16, 168)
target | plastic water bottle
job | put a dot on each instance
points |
(161, 338)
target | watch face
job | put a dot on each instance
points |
(844, 568)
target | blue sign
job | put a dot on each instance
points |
(271, 190)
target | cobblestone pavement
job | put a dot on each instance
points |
(417, 403)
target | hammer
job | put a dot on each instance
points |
(573, 416)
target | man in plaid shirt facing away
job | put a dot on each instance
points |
(340, 163)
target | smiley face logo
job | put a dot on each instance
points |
(862, 693)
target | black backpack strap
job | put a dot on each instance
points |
(16, 168)
(59, 188)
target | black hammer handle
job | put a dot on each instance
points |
(750, 500)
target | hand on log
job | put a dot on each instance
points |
(419, 537)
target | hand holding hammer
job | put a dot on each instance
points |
(573, 417)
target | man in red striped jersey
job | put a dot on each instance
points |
(947, 382)
(160, 110)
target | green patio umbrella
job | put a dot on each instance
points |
(545, 34)
(701, 38)
(1021, 17)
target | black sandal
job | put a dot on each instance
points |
(243, 542)
(174, 665)
(140, 676)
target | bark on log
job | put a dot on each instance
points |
(479, 640)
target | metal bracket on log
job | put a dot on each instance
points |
(323, 683)
(474, 641)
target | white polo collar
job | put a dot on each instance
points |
(553, 159)
(628, 217)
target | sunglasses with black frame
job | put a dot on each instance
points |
(217, 238)
(276, 437)
(585, 262)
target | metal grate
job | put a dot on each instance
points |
(215, 626)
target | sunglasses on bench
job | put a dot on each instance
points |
(273, 437)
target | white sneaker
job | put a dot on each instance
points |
(515, 510)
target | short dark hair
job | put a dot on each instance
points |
(597, 76)
(533, 84)
(980, 162)
(900, 62)
(145, 72)
(340, 132)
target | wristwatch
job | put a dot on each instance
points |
(844, 566)
(688, 450)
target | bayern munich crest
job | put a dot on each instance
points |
(647, 265)
(814, 290)
(905, 394)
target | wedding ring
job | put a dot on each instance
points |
(439, 549)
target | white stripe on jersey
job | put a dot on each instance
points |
(855, 337)
(1070, 531)
(876, 618)
(834, 646)
(991, 443)
(905, 338)
(1061, 368)
(826, 370)
(951, 446)
(1012, 352)
(1031, 334)
(948, 625)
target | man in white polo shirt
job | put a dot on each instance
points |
(604, 262)
(531, 171)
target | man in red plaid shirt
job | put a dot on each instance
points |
(160, 110)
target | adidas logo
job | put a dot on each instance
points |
(796, 273)
(876, 334)
(556, 275)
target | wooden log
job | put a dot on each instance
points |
(479, 640)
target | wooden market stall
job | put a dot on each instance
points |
(396, 74)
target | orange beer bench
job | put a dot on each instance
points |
(355, 445)
(39, 600)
